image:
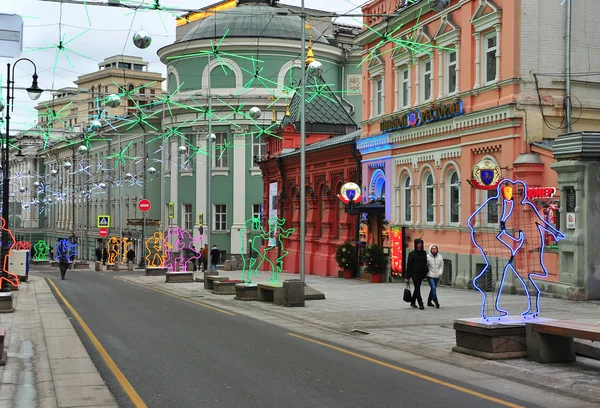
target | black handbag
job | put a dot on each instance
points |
(407, 294)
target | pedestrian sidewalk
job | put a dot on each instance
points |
(47, 366)
(376, 313)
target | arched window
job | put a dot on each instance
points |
(428, 198)
(142, 90)
(340, 214)
(407, 199)
(93, 91)
(172, 84)
(321, 227)
(222, 76)
(454, 198)
(130, 88)
(100, 90)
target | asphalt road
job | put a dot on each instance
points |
(178, 354)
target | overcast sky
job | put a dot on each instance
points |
(109, 34)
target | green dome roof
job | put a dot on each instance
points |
(252, 20)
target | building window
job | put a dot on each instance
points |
(378, 97)
(340, 217)
(259, 149)
(152, 91)
(429, 198)
(454, 198)
(220, 217)
(451, 72)
(427, 80)
(407, 186)
(130, 88)
(220, 151)
(184, 162)
(405, 88)
(188, 219)
(490, 44)
(93, 91)
(492, 208)
(142, 90)
(256, 212)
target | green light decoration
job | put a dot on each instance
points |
(223, 148)
(275, 234)
(57, 116)
(214, 51)
(40, 251)
(409, 43)
(141, 7)
(61, 47)
(171, 131)
(138, 120)
(195, 151)
(262, 131)
(121, 156)
(87, 140)
(321, 90)
(124, 93)
(255, 76)
(288, 90)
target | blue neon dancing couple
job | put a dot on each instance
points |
(514, 243)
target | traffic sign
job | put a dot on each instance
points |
(104, 221)
(144, 205)
(103, 232)
(171, 207)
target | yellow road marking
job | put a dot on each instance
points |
(410, 372)
(131, 393)
(178, 297)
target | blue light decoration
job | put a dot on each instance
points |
(515, 244)
(64, 246)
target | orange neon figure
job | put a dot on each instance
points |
(126, 243)
(11, 278)
(157, 249)
(113, 247)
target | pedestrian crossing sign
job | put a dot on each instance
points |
(104, 221)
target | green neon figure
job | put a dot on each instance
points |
(40, 251)
(285, 233)
(252, 224)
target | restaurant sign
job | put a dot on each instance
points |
(419, 117)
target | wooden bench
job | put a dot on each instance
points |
(551, 341)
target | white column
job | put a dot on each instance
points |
(390, 188)
(240, 170)
(497, 27)
(372, 100)
(417, 83)
(457, 47)
(440, 55)
(397, 85)
(441, 201)
(174, 183)
(477, 60)
(201, 167)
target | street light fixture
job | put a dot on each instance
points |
(34, 92)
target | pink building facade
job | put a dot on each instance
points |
(433, 110)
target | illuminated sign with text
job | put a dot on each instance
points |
(419, 117)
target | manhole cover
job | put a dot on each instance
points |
(359, 333)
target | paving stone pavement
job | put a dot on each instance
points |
(378, 309)
(47, 366)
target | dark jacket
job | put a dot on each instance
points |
(417, 263)
(214, 256)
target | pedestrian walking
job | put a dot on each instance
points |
(214, 257)
(51, 254)
(416, 269)
(435, 264)
(63, 265)
(104, 256)
(98, 254)
(205, 258)
(131, 255)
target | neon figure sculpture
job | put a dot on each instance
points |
(252, 224)
(157, 250)
(251, 268)
(22, 246)
(40, 251)
(183, 242)
(11, 278)
(514, 244)
(113, 247)
(66, 247)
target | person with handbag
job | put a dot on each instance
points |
(417, 269)
(435, 264)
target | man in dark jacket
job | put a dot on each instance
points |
(214, 257)
(417, 269)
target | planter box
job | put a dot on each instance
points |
(224, 287)
(179, 277)
(246, 292)
(492, 340)
(156, 271)
(209, 280)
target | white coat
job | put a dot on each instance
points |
(435, 264)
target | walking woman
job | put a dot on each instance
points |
(416, 269)
(435, 263)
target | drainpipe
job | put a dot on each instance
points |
(359, 182)
(342, 83)
(568, 106)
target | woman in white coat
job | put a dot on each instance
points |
(435, 264)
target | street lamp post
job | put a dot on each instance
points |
(302, 145)
(34, 92)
